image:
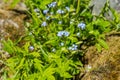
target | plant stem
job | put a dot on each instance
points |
(78, 6)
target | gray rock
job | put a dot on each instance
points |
(99, 4)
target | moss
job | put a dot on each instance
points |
(106, 64)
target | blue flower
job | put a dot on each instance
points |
(82, 25)
(36, 10)
(66, 33)
(47, 17)
(31, 48)
(59, 11)
(73, 47)
(60, 33)
(45, 11)
(44, 24)
(52, 5)
(63, 33)
(67, 8)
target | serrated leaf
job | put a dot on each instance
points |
(73, 39)
(35, 54)
(103, 43)
(8, 46)
(44, 3)
(66, 75)
(26, 46)
(98, 47)
(21, 63)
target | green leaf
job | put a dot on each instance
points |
(35, 54)
(67, 75)
(73, 39)
(8, 46)
(103, 43)
(44, 3)
(99, 48)
(21, 64)
(26, 46)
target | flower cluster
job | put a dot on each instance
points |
(53, 4)
(37, 11)
(59, 11)
(73, 47)
(81, 25)
(63, 33)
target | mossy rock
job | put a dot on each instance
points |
(104, 65)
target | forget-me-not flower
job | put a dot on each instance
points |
(31, 48)
(67, 8)
(73, 47)
(52, 5)
(36, 10)
(45, 11)
(59, 11)
(82, 25)
(63, 33)
(47, 17)
(44, 24)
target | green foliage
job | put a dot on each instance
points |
(54, 40)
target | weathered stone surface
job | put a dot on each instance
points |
(11, 22)
(7, 5)
(99, 4)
